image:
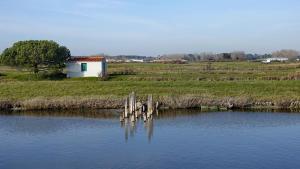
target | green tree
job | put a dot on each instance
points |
(36, 55)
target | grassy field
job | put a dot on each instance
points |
(278, 83)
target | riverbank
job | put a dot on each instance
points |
(165, 102)
(217, 85)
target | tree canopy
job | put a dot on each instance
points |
(36, 55)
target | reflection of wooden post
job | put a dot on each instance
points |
(121, 118)
(126, 108)
(126, 129)
(150, 128)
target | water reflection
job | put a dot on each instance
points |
(48, 122)
(45, 122)
(131, 127)
(100, 114)
(170, 139)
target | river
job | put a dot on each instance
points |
(172, 139)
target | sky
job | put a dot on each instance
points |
(153, 27)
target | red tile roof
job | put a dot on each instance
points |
(86, 59)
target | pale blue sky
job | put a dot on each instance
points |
(151, 27)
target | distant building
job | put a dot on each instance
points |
(269, 60)
(134, 60)
(94, 66)
(170, 61)
(114, 61)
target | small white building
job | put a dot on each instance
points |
(134, 61)
(94, 66)
(269, 60)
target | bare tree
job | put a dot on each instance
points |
(206, 56)
(288, 53)
(238, 55)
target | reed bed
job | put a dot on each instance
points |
(165, 102)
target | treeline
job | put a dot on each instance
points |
(209, 56)
(233, 56)
(129, 57)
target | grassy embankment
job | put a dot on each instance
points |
(243, 84)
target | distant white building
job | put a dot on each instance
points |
(114, 60)
(134, 60)
(95, 66)
(269, 60)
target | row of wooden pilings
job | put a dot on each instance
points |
(135, 109)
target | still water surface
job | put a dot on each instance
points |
(173, 140)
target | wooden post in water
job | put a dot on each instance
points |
(132, 103)
(138, 109)
(150, 105)
(126, 108)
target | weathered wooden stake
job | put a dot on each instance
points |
(132, 103)
(150, 104)
(138, 109)
(135, 107)
(126, 108)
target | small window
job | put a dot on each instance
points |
(83, 67)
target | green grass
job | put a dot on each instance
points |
(258, 90)
(216, 80)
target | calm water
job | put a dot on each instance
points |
(173, 140)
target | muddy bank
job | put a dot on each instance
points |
(165, 102)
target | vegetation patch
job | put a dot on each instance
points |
(224, 84)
